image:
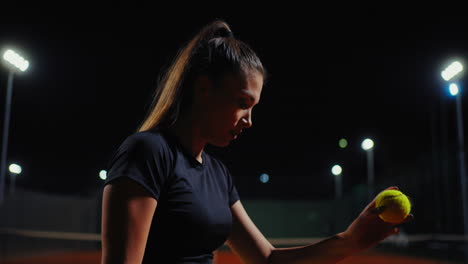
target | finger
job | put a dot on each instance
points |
(410, 217)
(377, 210)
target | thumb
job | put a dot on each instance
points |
(378, 210)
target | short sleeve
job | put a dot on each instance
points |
(233, 195)
(145, 158)
(232, 190)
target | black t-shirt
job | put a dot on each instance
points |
(193, 216)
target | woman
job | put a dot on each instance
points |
(167, 201)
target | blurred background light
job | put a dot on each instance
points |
(336, 170)
(264, 178)
(453, 88)
(367, 144)
(15, 168)
(103, 174)
(343, 143)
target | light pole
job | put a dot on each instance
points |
(337, 172)
(14, 63)
(368, 145)
(448, 74)
(14, 170)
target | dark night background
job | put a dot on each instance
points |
(351, 72)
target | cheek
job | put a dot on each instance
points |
(238, 116)
(235, 115)
(226, 120)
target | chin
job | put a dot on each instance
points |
(220, 143)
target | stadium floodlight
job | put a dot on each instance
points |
(103, 175)
(15, 168)
(16, 60)
(367, 144)
(453, 89)
(336, 170)
(452, 70)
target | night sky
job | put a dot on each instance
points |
(354, 73)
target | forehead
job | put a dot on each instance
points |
(245, 85)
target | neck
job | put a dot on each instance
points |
(189, 136)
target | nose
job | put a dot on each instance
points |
(247, 120)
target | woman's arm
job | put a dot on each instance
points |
(127, 212)
(364, 232)
(367, 230)
(245, 238)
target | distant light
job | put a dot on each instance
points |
(453, 88)
(264, 178)
(453, 69)
(367, 144)
(15, 168)
(15, 59)
(343, 143)
(336, 170)
(103, 175)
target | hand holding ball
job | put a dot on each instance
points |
(396, 206)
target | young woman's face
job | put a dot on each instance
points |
(230, 105)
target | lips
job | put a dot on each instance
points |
(235, 133)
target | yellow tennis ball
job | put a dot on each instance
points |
(397, 206)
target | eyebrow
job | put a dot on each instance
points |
(246, 93)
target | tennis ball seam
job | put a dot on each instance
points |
(391, 197)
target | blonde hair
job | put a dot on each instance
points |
(213, 51)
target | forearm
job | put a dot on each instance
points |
(330, 250)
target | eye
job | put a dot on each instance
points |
(243, 105)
